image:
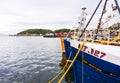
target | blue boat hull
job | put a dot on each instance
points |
(92, 69)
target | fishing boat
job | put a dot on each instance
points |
(94, 53)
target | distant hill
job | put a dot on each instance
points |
(37, 32)
(62, 30)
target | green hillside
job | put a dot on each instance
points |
(36, 31)
(42, 31)
(62, 30)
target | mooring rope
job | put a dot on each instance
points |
(82, 67)
(56, 76)
(81, 46)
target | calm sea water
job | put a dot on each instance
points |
(29, 59)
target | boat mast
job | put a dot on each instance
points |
(82, 22)
(103, 11)
(100, 20)
(91, 18)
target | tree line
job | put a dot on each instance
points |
(42, 31)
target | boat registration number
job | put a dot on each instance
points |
(94, 52)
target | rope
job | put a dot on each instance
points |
(82, 67)
(71, 63)
(61, 70)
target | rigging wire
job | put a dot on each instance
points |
(90, 18)
(71, 29)
(100, 20)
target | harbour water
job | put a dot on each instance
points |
(29, 59)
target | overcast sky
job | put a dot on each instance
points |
(18, 15)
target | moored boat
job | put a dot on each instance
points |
(95, 53)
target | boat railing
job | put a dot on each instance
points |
(104, 36)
